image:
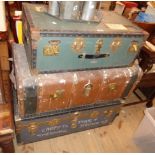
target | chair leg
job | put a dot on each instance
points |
(7, 146)
(150, 100)
(149, 104)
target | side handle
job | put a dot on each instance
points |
(93, 56)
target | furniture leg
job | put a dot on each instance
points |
(7, 146)
(150, 100)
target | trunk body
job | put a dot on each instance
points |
(114, 42)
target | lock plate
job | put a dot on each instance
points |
(94, 114)
(78, 44)
(112, 87)
(133, 47)
(115, 44)
(32, 128)
(99, 45)
(52, 48)
(87, 89)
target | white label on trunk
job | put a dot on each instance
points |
(117, 26)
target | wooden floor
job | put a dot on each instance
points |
(117, 137)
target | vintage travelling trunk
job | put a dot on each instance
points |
(54, 45)
(66, 122)
(41, 93)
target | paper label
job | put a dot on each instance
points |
(117, 26)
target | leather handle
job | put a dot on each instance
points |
(93, 56)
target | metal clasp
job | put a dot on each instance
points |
(52, 49)
(133, 47)
(112, 86)
(115, 44)
(78, 44)
(53, 122)
(99, 45)
(108, 113)
(94, 114)
(32, 128)
(87, 88)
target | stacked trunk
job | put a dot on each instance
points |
(68, 78)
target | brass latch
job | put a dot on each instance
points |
(74, 123)
(87, 89)
(32, 128)
(52, 49)
(108, 113)
(94, 114)
(53, 122)
(99, 45)
(115, 44)
(133, 47)
(112, 87)
(78, 44)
